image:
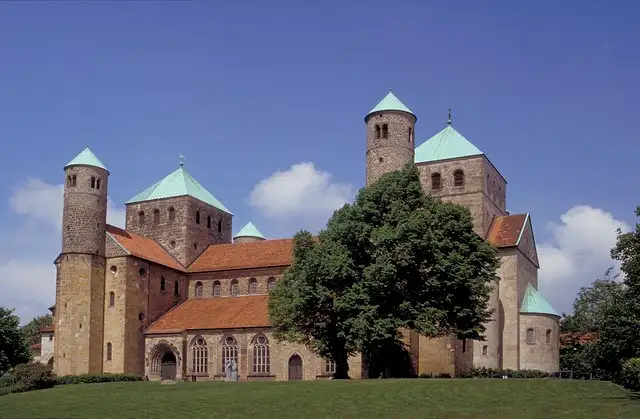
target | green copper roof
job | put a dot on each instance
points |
(447, 144)
(534, 302)
(390, 103)
(178, 183)
(249, 230)
(86, 158)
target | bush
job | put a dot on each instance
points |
(33, 376)
(498, 373)
(629, 377)
(96, 378)
(7, 380)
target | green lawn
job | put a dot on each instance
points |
(522, 399)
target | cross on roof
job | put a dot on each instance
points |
(181, 160)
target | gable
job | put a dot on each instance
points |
(527, 243)
(113, 249)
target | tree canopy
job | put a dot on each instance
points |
(395, 259)
(31, 330)
(13, 348)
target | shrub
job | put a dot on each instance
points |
(33, 376)
(96, 378)
(629, 377)
(7, 380)
(498, 373)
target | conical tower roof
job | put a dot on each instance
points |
(390, 103)
(249, 230)
(534, 303)
(86, 158)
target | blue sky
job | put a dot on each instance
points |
(548, 90)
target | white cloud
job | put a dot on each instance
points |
(301, 192)
(27, 276)
(577, 253)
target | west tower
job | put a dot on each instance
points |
(390, 137)
(79, 324)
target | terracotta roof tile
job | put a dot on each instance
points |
(143, 248)
(47, 329)
(261, 254)
(214, 313)
(505, 230)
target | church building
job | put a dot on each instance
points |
(174, 296)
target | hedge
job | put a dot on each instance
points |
(499, 373)
(96, 378)
(629, 377)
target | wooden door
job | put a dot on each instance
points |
(295, 367)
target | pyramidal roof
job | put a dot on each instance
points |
(249, 230)
(86, 158)
(390, 103)
(447, 144)
(534, 302)
(178, 183)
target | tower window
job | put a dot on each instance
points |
(141, 217)
(109, 351)
(464, 345)
(380, 159)
(176, 288)
(531, 336)
(93, 182)
(436, 182)
(98, 183)
(458, 178)
(71, 180)
(208, 221)
(385, 131)
(197, 217)
(410, 135)
(485, 349)
(219, 226)
(172, 214)
(377, 131)
(548, 337)
(142, 272)
(163, 284)
(156, 216)
(112, 299)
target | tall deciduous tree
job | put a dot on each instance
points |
(13, 348)
(396, 258)
(31, 330)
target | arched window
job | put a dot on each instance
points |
(219, 226)
(156, 216)
(93, 182)
(271, 283)
(112, 299)
(200, 356)
(261, 356)
(253, 286)
(198, 289)
(208, 221)
(141, 217)
(98, 184)
(377, 131)
(436, 182)
(109, 351)
(163, 284)
(176, 288)
(234, 287)
(197, 217)
(385, 131)
(464, 345)
(71, 180)
(172, 213)
(216, 288)
(329, 366)
(229, 352)
(485, 349)
(548, 336)
(410, 135)
(531, 336)
(458, 178)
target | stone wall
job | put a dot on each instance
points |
(539, 342)
(437, 356)
(487, 353)
(225, 278)
(46, 347)
(509, 307)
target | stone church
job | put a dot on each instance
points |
(175, 296)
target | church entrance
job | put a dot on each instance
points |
(168, 366)
(295, 367)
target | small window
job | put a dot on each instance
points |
(410, 135)
(74, 179)
(208, 221)
(216, 289)
(98, 183)
(458, 178)
(385, 131)
(198, 289)
(93, 182)
(329, 366)
(548, 336)
(176, 288)
(253, 286)
(172, 244)
(163, 284)
(141, 316)
(141, 217)
(195, 246)
(219, 226)
(113, 269)
(109, 351)
(531, 336)
(377, 131)
(156, 216)
(112, 299)
(234, 287)
(172, 214)
(380, 159)
(142, 272)
(485, 350)
(271, 283)
(436, 182)
(464, 345)
(50, 338)
(197, 217)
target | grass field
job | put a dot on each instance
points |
(522, 399)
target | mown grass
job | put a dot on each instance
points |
(417, 398)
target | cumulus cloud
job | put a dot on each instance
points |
(27, 273)
(302, 192)
(576, 252)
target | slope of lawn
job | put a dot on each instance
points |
(438, 398)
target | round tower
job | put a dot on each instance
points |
(390, 137)
(248, 233)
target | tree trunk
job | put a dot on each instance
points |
(342, 367)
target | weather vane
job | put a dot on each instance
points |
(181, 160)
(449, 121)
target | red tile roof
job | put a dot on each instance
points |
(143, 248)
(36, 346)
(505, 230)
(214, 313)
(261, 254)
(47, 329)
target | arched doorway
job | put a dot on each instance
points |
(295, 367)
(168, 366)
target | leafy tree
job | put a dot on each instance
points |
(31, 330)
(13, 348)
(395, 259)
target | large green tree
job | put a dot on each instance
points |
(395, 259)
(13, 347)
(31, 330)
